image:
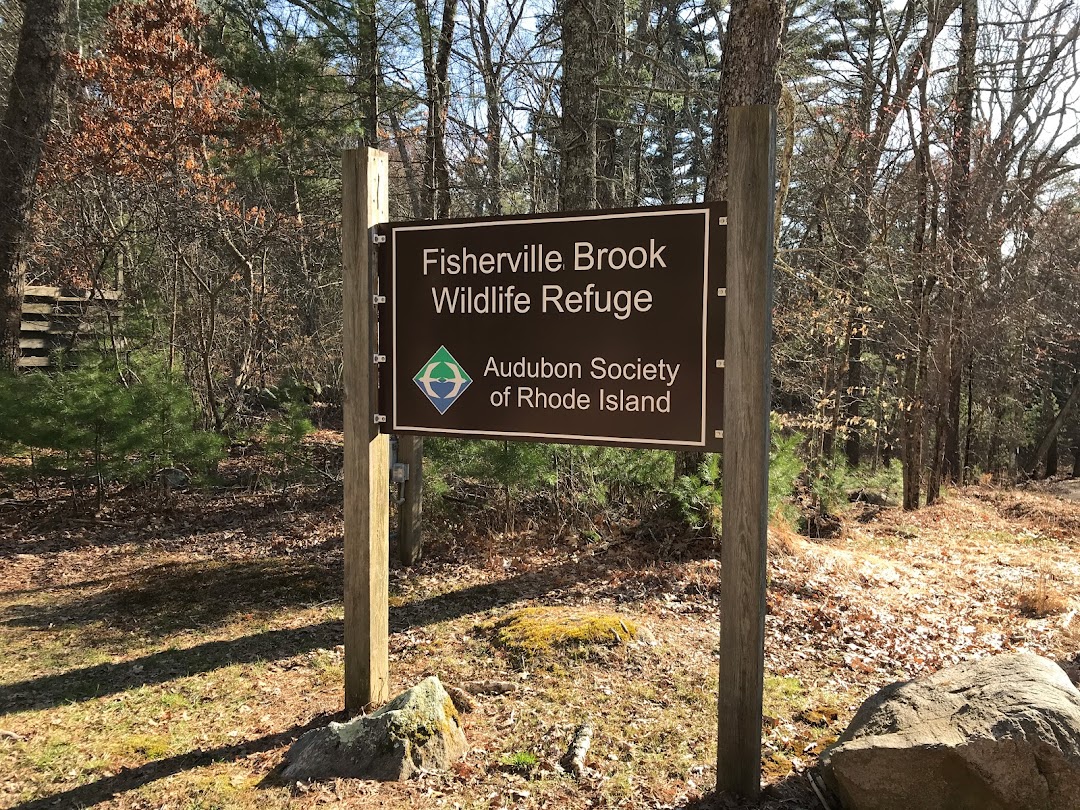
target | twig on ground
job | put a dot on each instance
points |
(814, 779)
(489, 687)
(574, 759)
(462, 702)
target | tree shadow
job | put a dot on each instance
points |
(166, 598)
(793, 792)
(49, 526)
(133, 778)
(87, 683)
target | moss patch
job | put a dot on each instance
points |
(537, 632)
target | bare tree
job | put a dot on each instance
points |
(491, 38)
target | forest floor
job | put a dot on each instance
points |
(166, 655)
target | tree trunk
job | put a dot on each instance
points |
(436, 58)
(442, 71)
(580, 96)
(913, 413)
(491, 70)
(747, 75)
(610, 186)
(1052, 431)
(1051, 460)
(957, 232)
(24, 130)
(869, 157)
(368, 71)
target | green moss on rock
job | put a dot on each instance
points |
(538, 632)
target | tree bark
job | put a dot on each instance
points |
(957, 233)
(368, 58)
(24, 130)
(580, 96)
(747, 76)
(610, 188)
(436, 56)
(493, 99)
(913, 412)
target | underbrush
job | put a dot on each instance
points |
(103, 420)
(515, 480)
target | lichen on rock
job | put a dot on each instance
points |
(420, 729)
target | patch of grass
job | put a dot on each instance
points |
(329, 666)
(55, 755)
(782, 696)
(1022, 537)
(618, 787)
(174, 701)
(142, 746)
(44, 653)
(520, 761)
(888, 482)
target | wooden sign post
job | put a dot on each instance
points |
(410, 511)
(559, 362)
(746, 448)
(367, 452)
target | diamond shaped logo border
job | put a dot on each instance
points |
(442, 380)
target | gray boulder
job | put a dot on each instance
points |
(418, 730)
(1002, 733)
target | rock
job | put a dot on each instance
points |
(418, 729)
(463, 701)
(1002, 733)
(173, 479)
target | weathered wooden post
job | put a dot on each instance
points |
(411, 513)
(367, 452)
(746, 447)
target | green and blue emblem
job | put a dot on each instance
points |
(442, 380)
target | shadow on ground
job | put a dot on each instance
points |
(131, 779)
(793, 792)
(166, 605)
(169, 597)
(191, 521)
(88, 683)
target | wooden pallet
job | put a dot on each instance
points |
(52, 317)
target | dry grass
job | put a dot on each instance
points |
(1041, 594)
(159, 659)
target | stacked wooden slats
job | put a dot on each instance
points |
(52, 318)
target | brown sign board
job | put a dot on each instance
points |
(596, 328)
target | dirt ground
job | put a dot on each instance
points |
(166, 655)
(1070, 490)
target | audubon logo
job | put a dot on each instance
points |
(442, 379)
